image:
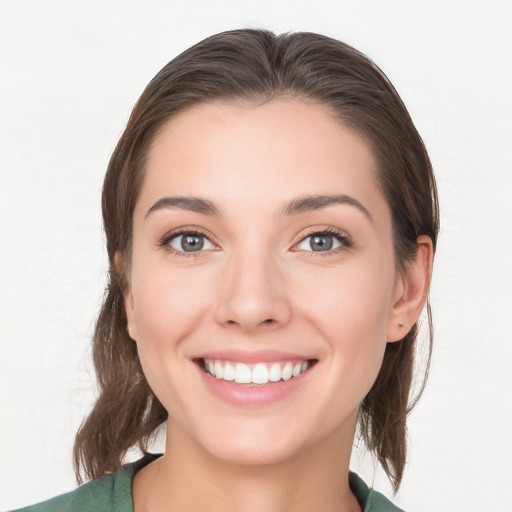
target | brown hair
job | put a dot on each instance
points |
(257, 65)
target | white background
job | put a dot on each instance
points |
(70, 72)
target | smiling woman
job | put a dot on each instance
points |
(271, 219)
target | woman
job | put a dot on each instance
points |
(271, 218)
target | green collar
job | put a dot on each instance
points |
(369, 499)
(113, 493)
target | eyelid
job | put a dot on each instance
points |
(164, 242)
(341, 236)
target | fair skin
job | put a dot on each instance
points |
(266, 288)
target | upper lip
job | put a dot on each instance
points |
(252, 356)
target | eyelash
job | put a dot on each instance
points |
(344, 240)
(166, 239)
(340, 236)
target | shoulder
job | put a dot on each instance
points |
(109, 493)
(370, 500)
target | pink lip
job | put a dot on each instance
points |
(250, 357)
(243, 395)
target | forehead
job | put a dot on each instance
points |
(258, 155)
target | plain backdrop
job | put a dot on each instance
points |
(70, 71)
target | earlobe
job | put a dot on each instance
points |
(411, 291)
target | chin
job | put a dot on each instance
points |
(280, 446)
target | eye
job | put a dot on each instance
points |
(186, 243)
(328, 241)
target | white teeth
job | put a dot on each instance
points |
(274, 374)
(229, 372)
(219, 370)
(242, 374)
(287, 371)
(261, 373)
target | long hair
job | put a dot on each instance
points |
(257, 65)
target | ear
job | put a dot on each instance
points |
(127, 294)
(411, 290)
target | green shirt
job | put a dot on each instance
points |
(113, 493)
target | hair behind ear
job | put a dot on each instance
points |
(384, 411)
(126, 412)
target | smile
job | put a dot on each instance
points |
(255, 374)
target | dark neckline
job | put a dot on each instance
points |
(357, 485)
(362, 492)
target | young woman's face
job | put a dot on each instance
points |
(262, 253)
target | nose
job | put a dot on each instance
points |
(251, 294)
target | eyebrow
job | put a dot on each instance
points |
(316, 202)
(189, 203)
(294, 207)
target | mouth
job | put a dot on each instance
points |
(257, 374)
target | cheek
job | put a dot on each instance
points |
(352, 304)
(351, 310)
(166, 302)
(167, 307)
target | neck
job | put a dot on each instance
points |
(189, 479)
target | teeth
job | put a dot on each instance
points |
(229, 372)
(261, 373)
(242, 374)
(219, 370)
(274, 373)
(287, 371)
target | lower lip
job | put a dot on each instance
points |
(245, 395)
